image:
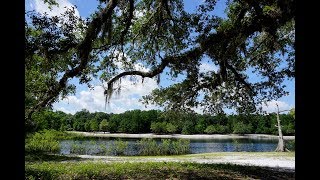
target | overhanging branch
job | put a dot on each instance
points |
(84, 50)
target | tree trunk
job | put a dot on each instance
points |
(281, 144)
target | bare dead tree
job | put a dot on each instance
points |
(281, 144)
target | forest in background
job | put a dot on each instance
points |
(160, 122)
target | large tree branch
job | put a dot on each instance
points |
(192, 54)
(128, 21)
(239, 77)
(241, 30)
(84, 50)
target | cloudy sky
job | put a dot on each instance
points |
(93, 99)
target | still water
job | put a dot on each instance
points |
(101, 146)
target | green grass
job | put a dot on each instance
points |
(148, 170)
(42, 157)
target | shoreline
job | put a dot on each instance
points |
(262, 159)
(181, 136)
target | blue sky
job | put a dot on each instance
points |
(93, 100)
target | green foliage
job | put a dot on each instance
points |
(158, 127)
(77, 148)
(216, 129)
(255, 35)
(104, 125)
(94, 125)
(241, 128)
(181, 146)
(119, 147)
(43, 141)
(149, 170)
(87, 126)
(292, 112)
(165, 122)
(291, 145)
(165, 146)
(170, 128)
(188, 128)
(149, 147)
(47, 141)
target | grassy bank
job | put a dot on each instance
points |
(148, 170)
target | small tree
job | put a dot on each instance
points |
(104, 125)
(94, 125)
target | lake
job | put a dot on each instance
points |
(102, 145)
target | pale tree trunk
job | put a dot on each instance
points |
(281, 144)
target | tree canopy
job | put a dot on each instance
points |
(256, 37)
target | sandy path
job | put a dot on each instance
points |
(194, 136)
(255, 159)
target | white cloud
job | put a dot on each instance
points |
(198, 109)
(271, 106)
(94, 100)
(41, 7)
(205, 67)
(139, 13)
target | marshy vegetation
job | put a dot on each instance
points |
(48, 141)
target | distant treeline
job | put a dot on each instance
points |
(156, 121)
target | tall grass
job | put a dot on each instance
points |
(166, 147)
(47, 141)
(119, 147)
(44, 141)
